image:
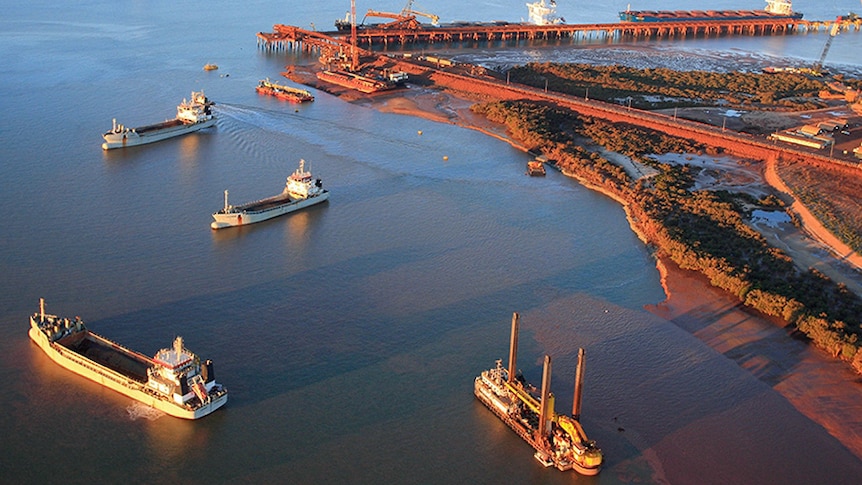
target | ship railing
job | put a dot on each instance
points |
(149, 361)
(120, 378)
(102, 371)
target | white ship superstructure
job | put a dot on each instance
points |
(779, 7)
(541, 13)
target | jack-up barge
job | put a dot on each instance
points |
(559, 440)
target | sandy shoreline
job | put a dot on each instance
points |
(805, 377)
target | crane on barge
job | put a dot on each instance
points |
(558, 439)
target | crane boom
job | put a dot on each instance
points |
(836, 27)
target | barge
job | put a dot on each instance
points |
(280, 91)
(192, 115)
(358, 82)
(175, 381)
(301, 190)
(558, 440)
(775, 9)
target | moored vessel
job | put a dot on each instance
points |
(774, 10)
(192, 115)
(559, 440)
(541, 13)
(535, 168)
(351, 80)
(294, 95)
(301, 190)
(175, 381)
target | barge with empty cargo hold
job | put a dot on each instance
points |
(192, 115)
(301, 190)
(175, 381)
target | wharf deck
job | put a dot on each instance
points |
(504, 31)
(461, 78)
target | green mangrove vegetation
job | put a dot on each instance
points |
(700, 230)
(666, 88)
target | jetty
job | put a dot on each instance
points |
(283, 36)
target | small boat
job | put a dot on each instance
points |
(210, 67)
(535, 168)
(192, 115)
(558, 439)
(301, 190)
(175, 381)
(294, 95)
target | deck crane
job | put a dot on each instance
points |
(406, 19)
(398, 20)
(818, 66)
(408, 11)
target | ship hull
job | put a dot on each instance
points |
(116, 381)
(352, 81)
(153, 133)
(263, 210)
(293, 97)
(497, 406)
(713, 16)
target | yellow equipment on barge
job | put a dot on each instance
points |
(559, 440)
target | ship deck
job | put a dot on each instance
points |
(104, 354)
(158, 126)
(265, 204)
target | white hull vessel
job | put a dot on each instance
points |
(300, 191)
(174, 381)
(192, 116)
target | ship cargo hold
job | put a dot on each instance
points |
(775, 9)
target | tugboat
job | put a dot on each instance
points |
(559, 440)
(174, 381)
(192, 115)
(300, 191)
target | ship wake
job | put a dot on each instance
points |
(138, 411)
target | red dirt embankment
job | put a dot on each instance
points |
(713, 316)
